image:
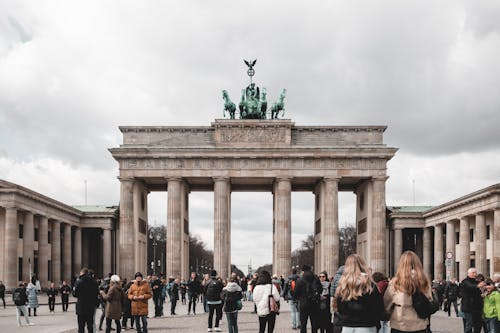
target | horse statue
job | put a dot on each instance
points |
(229, 106)
(279, 105)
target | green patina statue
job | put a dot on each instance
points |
(253, 103)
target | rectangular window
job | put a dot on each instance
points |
(471, 235)
(488, 270)
(19, 269)
(49, 270)
(472, 263)
(488, 232)
(457, 238)
(49, 237)
(21, 231)
(36, 235)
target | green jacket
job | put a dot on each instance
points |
(491, 307)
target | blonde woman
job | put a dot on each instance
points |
(409, 278)
(358, 301)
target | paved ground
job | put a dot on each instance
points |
(247, 322)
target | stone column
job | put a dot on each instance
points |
(480, 242)
(43, 251)
(174, 227)
(398, 246)
(106, 251)
(56, 251)
(464, 254)
(67, 252)
(427, 244)
(283, 231)
(438, 252)
(330, 233)
(451, 244)
(378, 260)
(28, 240)
(222, 236)
(77, 246)
(11, 255)
(496, 241)
(126, 230)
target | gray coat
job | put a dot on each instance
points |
(32, 296)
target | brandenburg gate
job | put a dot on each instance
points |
(252, 154)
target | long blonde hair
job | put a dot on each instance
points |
(410, 275)
(355, 281)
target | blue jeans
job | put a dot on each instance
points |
(232, 322)
(144, 320)
(295, 313)
(473, 322)
(491, 324)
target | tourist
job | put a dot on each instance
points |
(2, 293)
(20, 298)
(139, 293)
(206, 279)
(324, 313)
(86, 291)
(382, 283)
(183, 291)
(244, 288)
(157, 288)
(289, 296)
(409, 279)
(232, 303)
(213, 289)
(451, 296)
(472, 302)
(491, 307)
(262, 293)
(32, 296)
(277, 283)
(52, 293)
(194, 290)
(174, 296)
(358, 301)
(127, 307)
(65, 292)
(113, 299)
(251, 285)
(234, 276)
(308, 292)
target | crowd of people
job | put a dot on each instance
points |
(354, 300)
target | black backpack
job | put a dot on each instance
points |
(17, 297)
(423, 306)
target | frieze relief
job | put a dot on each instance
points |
(232, 135)
(253, 163)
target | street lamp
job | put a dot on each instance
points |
(155, 243)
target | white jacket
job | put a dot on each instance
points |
(261, 294)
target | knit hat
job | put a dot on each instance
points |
(213, 273)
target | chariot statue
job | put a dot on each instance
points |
(253, 102)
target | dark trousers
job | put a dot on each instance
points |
(144, 320)
(217, 308)
(183, 298)
(393, 330)
(158, 305)
(312, 314)
(86, 320)
(52, 303)
(108, 325)
(65, 303)
(268, 320)
(29, 311)
(449, 302)
(192, 301)
(125, 319)
(473, 322)
(232, 322)
(3, 300)
(173, 304)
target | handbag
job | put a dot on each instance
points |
(274, 307)
(239, 305)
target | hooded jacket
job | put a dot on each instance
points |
(231, 294)
(87, 291)
(140, 306)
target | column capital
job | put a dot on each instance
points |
(173, 179)
(380, 178)
(126, 179)
(283, 178)
(221, 179)
(331, 179)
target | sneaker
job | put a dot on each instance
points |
(217, 329)
(209, 330)
(31, 324)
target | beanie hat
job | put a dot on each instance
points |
(213, 273)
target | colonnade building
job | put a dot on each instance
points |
(50, 239)
(452, 237)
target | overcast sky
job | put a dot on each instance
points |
(71, 73)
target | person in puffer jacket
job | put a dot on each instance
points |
(231, 294)
(263, 290)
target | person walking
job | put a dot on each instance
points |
(20, 298)
(86, 291)
(232, 295)
(52, 293)
(65, 292)
(113, 299)
(289, 296)
(491, 307)
(127, 308)
(308, 292)
(262, 293)
(194, 289)
(410, 280)
(213, 289)
(451, 296)
(472, 302)
(358, 301)
(183, 291)
(32, 296)
(324, 313)
(157, 288)
(139, 294)
(174, 296)
(2, 293)
(206, 279)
